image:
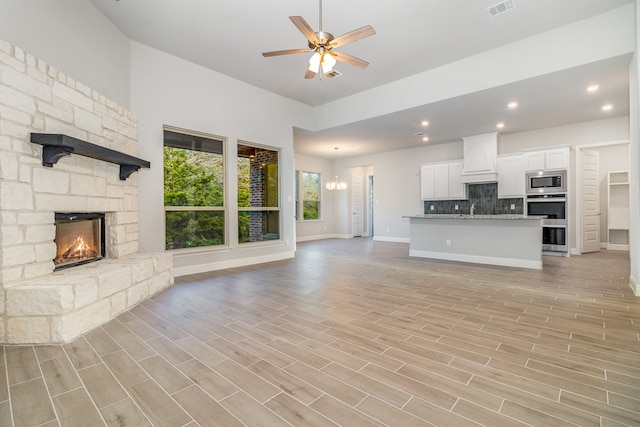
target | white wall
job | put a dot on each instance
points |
(396, 187)
(323, 228)
(167, 90)
(586, 133)
(74, 37)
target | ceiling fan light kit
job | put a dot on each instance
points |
(322, 44)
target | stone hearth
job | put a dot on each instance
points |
(38, 305)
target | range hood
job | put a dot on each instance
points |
(480, 158)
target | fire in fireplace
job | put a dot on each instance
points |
(80, 239)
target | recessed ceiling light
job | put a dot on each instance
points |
(607, 107)
(425, 138)
(513, 104)
(500, 125)
(593, 88)
(425, 123)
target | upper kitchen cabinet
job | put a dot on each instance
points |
(427, 182)
(542, 160)
(457, 188)
(480, 153)
(442, 181)
(511, 177)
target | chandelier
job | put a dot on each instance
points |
(336, 185)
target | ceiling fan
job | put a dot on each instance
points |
(323, 45)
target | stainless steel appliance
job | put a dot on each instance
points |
(546, 182)
(554, 227)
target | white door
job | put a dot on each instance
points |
(357, 200)
(590, 201)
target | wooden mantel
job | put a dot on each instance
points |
(55, 146)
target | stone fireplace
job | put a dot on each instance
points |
(41, 302)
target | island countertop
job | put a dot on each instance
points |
(461, 216)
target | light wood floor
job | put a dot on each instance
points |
(351, 333)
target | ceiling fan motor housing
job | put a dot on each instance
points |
(325, 39)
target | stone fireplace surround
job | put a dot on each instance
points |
(38, 305)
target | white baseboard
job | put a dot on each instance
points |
(214, 266)
(478, 259)
(391, 239)
(322, 237)
(617, 247)
(635, 286)
(312, 238)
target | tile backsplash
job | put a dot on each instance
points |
(484, 196)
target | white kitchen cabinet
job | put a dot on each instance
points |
(511, 178)
(542, 160)
(427, 182)
(442, 181)
(457, 188)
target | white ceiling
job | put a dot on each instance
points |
(412, 36)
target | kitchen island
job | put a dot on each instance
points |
(508, 240)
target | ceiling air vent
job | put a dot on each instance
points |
(500, 8)
(332, 74)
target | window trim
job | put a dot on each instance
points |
(278, 208)
(300, 196)
(225, 189)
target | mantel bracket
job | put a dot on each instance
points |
(51, 154)
(56, 146)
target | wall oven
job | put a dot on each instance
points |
(546, 182)
(554, 227)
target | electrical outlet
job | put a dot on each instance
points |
(513, 207)
(448, 242)
(431, 207)
(456, 207)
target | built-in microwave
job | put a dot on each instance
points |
(546, 182)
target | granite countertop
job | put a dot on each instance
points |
(460, 216)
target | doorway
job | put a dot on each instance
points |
(612, 157)
(357, 205)
(361, 201)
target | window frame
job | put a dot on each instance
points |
(225, 189)
(277, 208)
(300, 196)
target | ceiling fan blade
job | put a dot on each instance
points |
(305, 29)
(350, 60)
(284, 52)
(309, 74)
(353, 36)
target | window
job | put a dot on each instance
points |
(309, 192)
(193, 190)
(258, 194)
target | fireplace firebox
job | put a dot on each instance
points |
(80, 239)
